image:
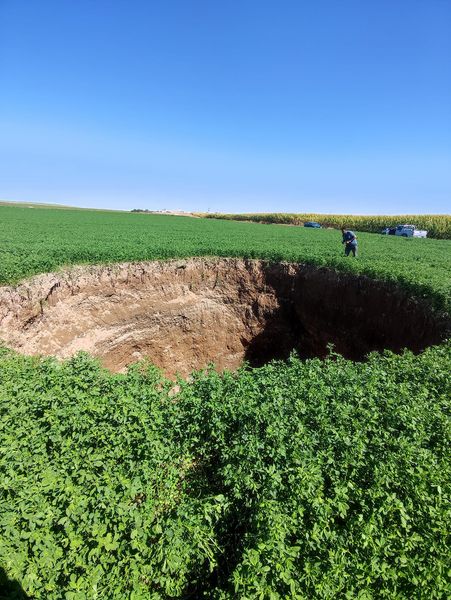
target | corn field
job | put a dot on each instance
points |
(437, 226)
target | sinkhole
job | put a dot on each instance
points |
(184, 314)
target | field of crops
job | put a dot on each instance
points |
(304, 480)
(437, 226)
(42, 240)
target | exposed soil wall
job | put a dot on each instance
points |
(184, 314)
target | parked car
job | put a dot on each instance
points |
(410, 231)
(405, 231)
(312, 224)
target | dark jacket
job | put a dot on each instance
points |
(349, 238)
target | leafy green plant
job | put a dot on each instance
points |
(316, 479)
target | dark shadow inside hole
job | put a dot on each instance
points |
(319, 310)
(281, 335)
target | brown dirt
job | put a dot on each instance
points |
(184, 314)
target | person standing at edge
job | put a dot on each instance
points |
(350, 241)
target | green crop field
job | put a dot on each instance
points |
(437, 226)
(298, 480)
(37, 241)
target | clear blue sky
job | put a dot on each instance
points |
(324, 106)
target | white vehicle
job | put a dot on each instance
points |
(410, 231)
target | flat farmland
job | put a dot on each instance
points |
(43, 240)
(314, 465)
